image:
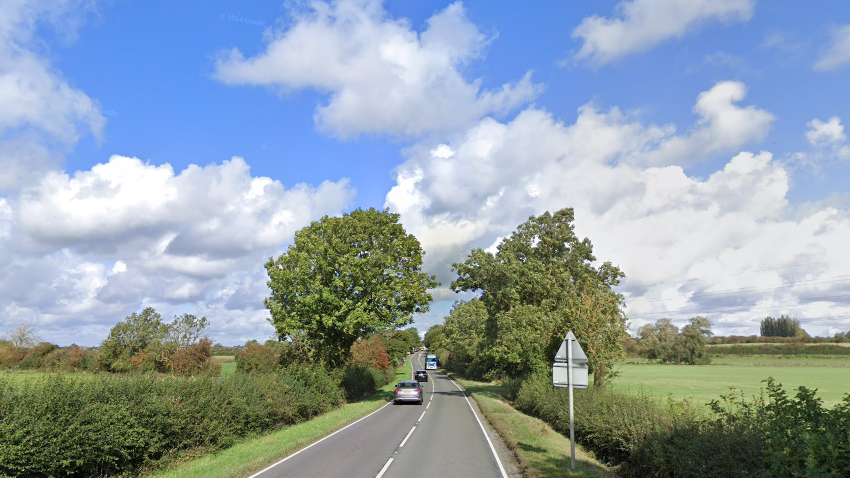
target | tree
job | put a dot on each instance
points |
(691, 341)
(465, 334)
(547, 272)
(434, 337)
(134, 335)
(666, 343)
(186, 330)
(22, 336)
(784, 326)
(370, 353)
(344, 278)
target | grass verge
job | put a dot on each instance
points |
(541, 451)
(252, 455)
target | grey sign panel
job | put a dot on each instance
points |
(578, 353)
(560, 375)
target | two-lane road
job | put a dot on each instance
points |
(441, 437)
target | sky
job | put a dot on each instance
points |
(157, 154)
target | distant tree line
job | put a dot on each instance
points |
(783, 326)
(666, 343)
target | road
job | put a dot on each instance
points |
(442, 437)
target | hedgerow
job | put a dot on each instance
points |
(776, 436)
(106, 425)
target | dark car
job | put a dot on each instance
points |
(408, 391)
(420, 376)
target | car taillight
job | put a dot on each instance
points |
(397, 390)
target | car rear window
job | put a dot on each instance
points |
(408, 385)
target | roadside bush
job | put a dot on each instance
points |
(777, 436)
(359, 382)
(195, 360)
(35, 356)
(370, 353)
(257, 358)
(107, 425)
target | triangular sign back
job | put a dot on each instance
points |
(578, 353)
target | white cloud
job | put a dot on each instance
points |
(677, 237)
(640, 25)
(825, 133)
(41, 115)
(125, 234)
(827, 142)
(838, 53)
(381, 75)
(723, 126)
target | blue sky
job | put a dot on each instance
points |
(156, 154)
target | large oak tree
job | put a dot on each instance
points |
(541, 283)
(345, 278)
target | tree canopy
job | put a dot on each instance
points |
(539, 284)
(344, 278)
(784, 326)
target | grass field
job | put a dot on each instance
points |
(228, 364)
(843, 344)
(703, 383)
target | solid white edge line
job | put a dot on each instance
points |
(408, 436)
(384, 469)
(316, 443)
(492, 448)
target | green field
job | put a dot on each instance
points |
(228, 364)
(703, 383)
(755, 344)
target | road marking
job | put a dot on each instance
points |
(492, 449)
(408, 436)
(423, 414)
(429, 404)
(317, 442)
(384, 469)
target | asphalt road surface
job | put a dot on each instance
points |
(441, 437)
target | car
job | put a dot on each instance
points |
(408, 391)
(420, 376)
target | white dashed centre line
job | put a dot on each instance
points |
(384, 469)
(408, 436)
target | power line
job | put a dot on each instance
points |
(741, 273)
(746, 307)
(844, 278)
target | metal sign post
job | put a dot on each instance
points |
(571, 375)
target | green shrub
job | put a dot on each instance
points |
(777, 436)
(359, 382)
(107, 425)
(257, 358)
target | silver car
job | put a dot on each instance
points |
(408, 391)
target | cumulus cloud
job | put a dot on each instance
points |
(640, 25)
(127, 234)
(723, 126)
(827, 142)
(838, 52)
(680, 239)
(41, 115)
(380, 74)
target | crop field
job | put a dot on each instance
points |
(228, 364)
(703, 383)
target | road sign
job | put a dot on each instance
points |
(578, 353)
(561, 375)
(570, 371)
